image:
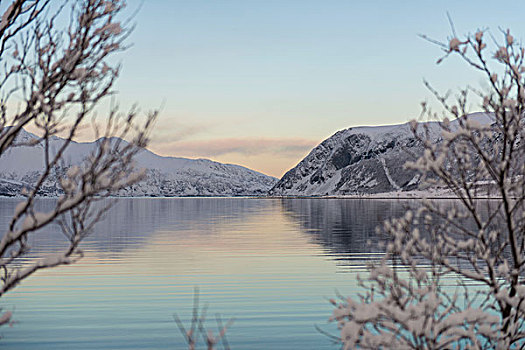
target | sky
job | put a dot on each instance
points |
(260, 83)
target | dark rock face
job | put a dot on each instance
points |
(355, 161)
(368, 160)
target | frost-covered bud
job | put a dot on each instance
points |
(105, 68)
(454, 110)
(503, 269)
(479, 36)
(46, 108)
(210, 338)
(454, 44)
(502, 54)
(510, 39)
(79, 74)
(73, 171)
(494, 78)
(516, 70)
(5, 317)
(486, 102)
(413, 124)
(109, 6)
(509, 102)
(112, 28)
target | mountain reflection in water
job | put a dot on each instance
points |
(270, 263)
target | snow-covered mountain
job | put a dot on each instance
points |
(20, 166)
(360, 160)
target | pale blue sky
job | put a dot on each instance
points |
(259, 82)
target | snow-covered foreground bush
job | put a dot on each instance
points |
(480, 242)
(198, 333)
(56, 69)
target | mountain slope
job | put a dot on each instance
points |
(360, 160)
(165, 176)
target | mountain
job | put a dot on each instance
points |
(20, 166)
(360, 160)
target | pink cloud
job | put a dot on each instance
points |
(286, 147)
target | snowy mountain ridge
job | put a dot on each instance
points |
(21, 165)
(361, 160)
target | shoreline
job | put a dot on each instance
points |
(377, 196)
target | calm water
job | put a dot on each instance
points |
(269, 263)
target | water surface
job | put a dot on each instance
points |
(269, 263)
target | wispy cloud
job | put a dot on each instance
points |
(284, 147)
(174, 131)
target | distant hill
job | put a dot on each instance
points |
(20, 166)
(360, 160)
